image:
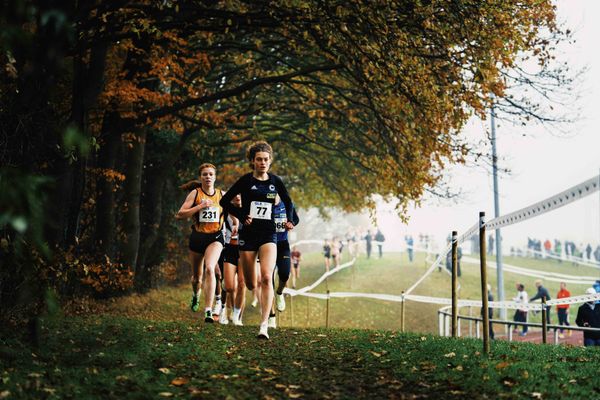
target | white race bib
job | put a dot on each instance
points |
(260, 210)
(280, 224)
(209, 214)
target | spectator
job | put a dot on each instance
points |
(490, 249)
(521, 312)
(409, 247)
(588, 316)
(542, 293)
(547, 248)
(597, 254)
(558, 250)
(449, 259)
(588, 252)
(369, 238)
(490, 310)
(563, 309)
(379, 238)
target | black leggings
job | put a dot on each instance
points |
(283, 262)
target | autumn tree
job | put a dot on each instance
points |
(358, 98)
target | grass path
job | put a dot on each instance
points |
(151, 346)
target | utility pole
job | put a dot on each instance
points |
(499, 271)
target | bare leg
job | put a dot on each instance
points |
(268, 254)
(211, 259)
(240, 295)
(248, 264)
(196, 263)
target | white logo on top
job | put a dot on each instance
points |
(253, 187)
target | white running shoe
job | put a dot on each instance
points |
(280, 300)
(237, 322)
(217, 308)
(272, 322)
(223, 320)
(263, 333)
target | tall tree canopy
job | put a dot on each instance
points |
(119, 102)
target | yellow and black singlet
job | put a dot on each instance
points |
(209, 219)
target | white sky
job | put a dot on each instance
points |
(542, 164)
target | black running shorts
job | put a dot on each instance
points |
(200, 241)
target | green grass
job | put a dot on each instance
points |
(152, 346)
(393, 273)
(116, 357)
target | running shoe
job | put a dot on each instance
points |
(217, 308)
(237, 322)
(208, 317)
(263, 333)
(280, 302)
(195, 304)
(223, 320)
(272, 322)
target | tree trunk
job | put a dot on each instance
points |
(106, 185)
(131, 199)
(87, 85)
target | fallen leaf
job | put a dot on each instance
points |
(450, 355)
(165, 394)
(280, 386)
(293, 395)
(376, 354)
(509, 382)
(180, 381)
(165, 370)
(4, 394)
(502, 365)
(536, 395)
(459, 368)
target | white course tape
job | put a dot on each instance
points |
(294, 292)
(568, 196)
(552, 203)
(584, 298)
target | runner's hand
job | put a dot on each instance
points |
(248, 220)
(289, 226)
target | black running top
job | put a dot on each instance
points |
(258, 200)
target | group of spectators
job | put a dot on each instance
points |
(559, 249)
(588, 313)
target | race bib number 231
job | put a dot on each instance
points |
(209, 214)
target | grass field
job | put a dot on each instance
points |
(390, 275)
(112, 357)
(152, 346)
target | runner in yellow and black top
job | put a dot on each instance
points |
(206, 239)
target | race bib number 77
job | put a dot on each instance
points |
(260, 210)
